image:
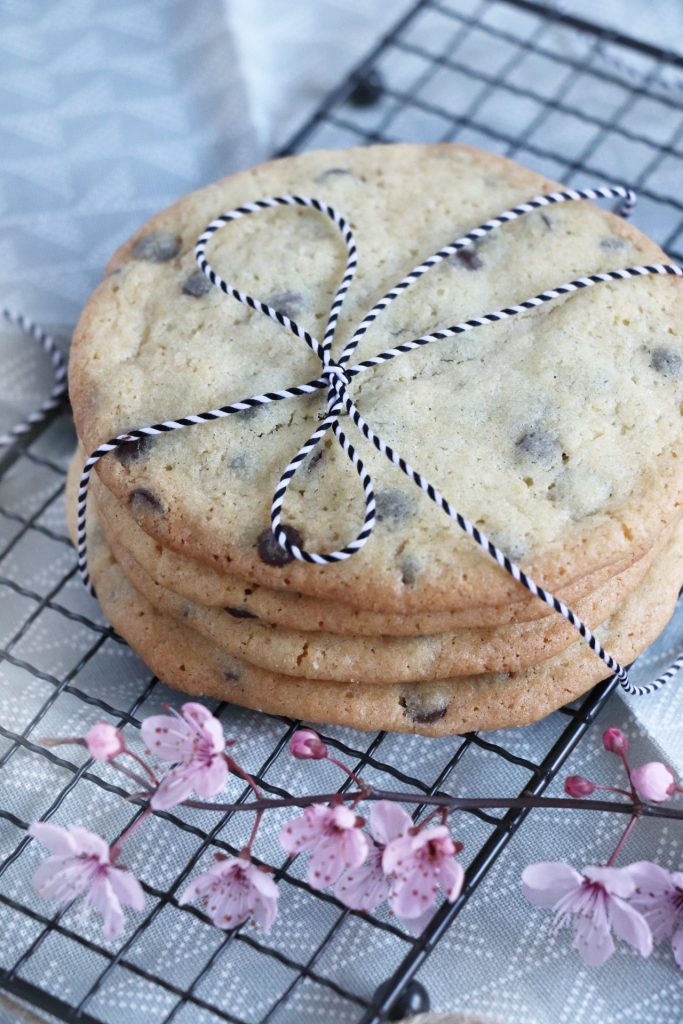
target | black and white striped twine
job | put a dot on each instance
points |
(337, 374)
(58, 390)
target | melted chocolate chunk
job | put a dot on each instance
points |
(134, 450)
(314, 460)
(394, 507)
(666, 361)
(335, 172)
(613, 242)
(289, 303)
(230, 676)
(157, 248)
(240, 613)
(197, 285)
(270, 551)
(410, 569)
(238, 463)
(469, 259)
(143, 498)
(422, 710)
(537, 445)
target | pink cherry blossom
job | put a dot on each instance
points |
(334, 836)
(597, 897)
(80, 865)
(104, 741)
(615, 741)
(194, 742)
(307, 745)
(653, 781)
(659, 896)
(366, 886)
(419, 864)
(233, 891)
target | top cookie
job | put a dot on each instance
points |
(557, 431)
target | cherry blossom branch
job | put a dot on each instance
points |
(387, 857)
(452, 803)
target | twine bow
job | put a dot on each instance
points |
(336, 377)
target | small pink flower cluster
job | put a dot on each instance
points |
(641, 903)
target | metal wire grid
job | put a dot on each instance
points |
(436, 39)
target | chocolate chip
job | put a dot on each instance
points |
(157, 248)
(230, 676)
(270, 551)
(289, 303)
(409, 571)
(143, 498)
(240, 613)
(422, 709)
(238, 463)
(613, 242)
(666, 361)
(469, 259)
(314, 460)
(335, 172)
(547, 221)
(537, 444)
(134, 450)
(394, 507)
(197, 285)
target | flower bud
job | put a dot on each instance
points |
(576, 785)
(653, 781)
(615, 741)
(307, 745)
(104, 741)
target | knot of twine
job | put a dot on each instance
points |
(336, 377)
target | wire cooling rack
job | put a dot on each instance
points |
(511, 76)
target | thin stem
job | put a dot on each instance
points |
(451, 802)
(234, 767)
(129, 773)
(143, 764)
(352, 775)
(620, 845)
(116, 847)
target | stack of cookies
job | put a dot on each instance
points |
(557, 432)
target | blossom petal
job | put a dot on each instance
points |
(630, 925)
(212, 777)
(204, 724)
(595, 945)
(58, 840)
(615, 881)
(363, 888)
(169, 737)
(677, 947)
(61, 878)
(387, 821)
(176, 786)
(649, 878)
(105, 900)
(451, 876)
(547, 882)
(398, 854)
(197, 888)
(90, 844)
(127, 888)
(414, 893)
(299, 834)
(327, 862)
